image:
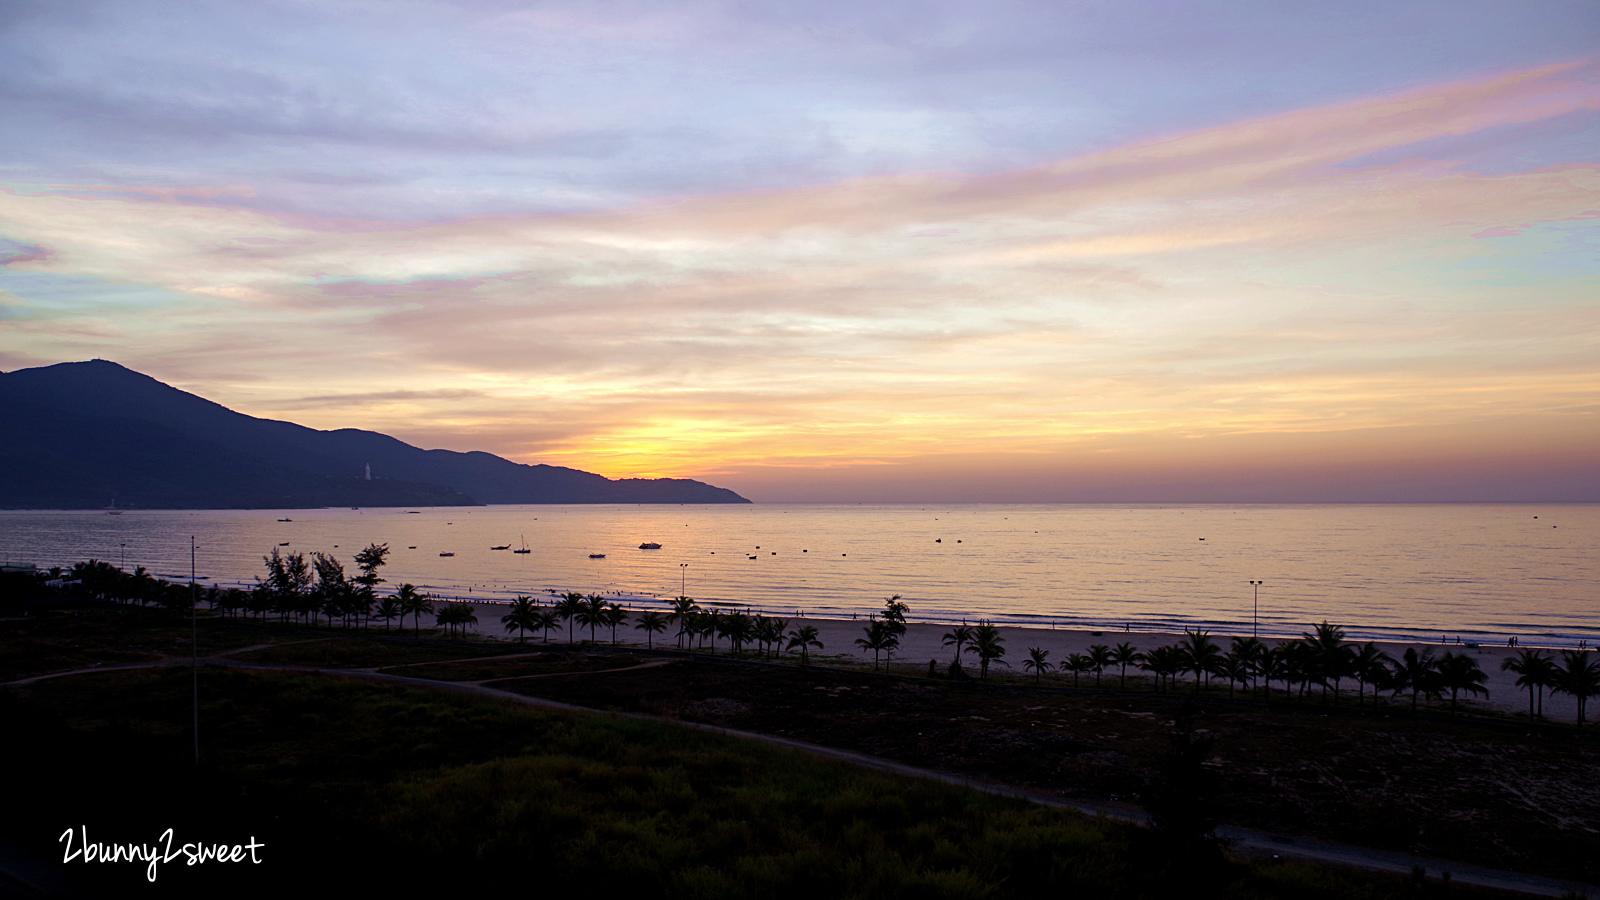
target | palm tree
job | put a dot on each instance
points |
(1272, 664)
(1236, 668)
(568, 608)
(1579, 677)
(683, 609)
(1460, 672)
(1330, 656)
(737, 628)
(1125, 655)
(988, 645)
(1418, 671)
(1164, 663)
(591, 612)
(1200, 655)
(651, 623)
(413, 604)
(877, 639)
(711, 626)
(615, 615)
(959, 635)
(544, 620)
(1367, 664)
(1100, 655)
(1077, 664)
(805, 638)
(520, 617)
(1036, 662)
(1535, 672)
(388, 608)
(1249, 651)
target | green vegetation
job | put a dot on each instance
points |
(380, 789)
(362, 653)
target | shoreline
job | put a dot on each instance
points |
(924, 641)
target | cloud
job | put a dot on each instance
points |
(1263, 277)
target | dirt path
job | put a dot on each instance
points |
(1254, 843)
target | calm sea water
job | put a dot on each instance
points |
(1411, 572)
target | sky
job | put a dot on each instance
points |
(842, 252)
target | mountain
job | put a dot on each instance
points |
(85, 434)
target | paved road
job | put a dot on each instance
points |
(1251, 842)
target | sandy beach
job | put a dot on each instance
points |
(924, 641)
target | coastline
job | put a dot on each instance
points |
(924, 641)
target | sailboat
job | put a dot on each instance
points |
(524, 546)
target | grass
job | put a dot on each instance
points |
(355, 786)
(76, 635)
(548, 662)
(344, 652)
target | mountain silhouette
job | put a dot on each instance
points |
(92, 434)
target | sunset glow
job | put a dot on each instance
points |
(1380, 291)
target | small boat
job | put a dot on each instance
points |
(524, 546)
(447, 554)
(412, 512)
(285, 520)
(501, 547)
(283, 544)
(597, 556)
(650, 545)
(412, 547)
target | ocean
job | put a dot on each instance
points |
(1395, 572)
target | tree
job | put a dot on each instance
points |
(592, 613)
(365, 585)
(683, 610)
(959, 636)
(804, 637)
(1100, 655)
(567, 608)
(877, 639)
(388, 608)
(546, 619)
(1579, 677)
(1419, 672)
(1125, 655)
(651, 623)
(737, 628)
(1330, 657)
(1367, 663)
(1249, 651)
(894, 620)
(1235, 668)
(521, 617)
(615, 615)
(1164, 663)
(1077, 664)
(1199, 654)
(1535, 671)
(989, 647)
(413, 604)
(1460, 672)
(1036, 662)
(332, 590)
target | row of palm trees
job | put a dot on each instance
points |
(1577, 675)
(1321, 658)
(317, 586)
(574, 611)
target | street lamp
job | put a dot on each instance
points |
(1255, 609)
(683, 579)
(124, 557)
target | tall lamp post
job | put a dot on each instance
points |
(683, 579)
(1255, 609)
